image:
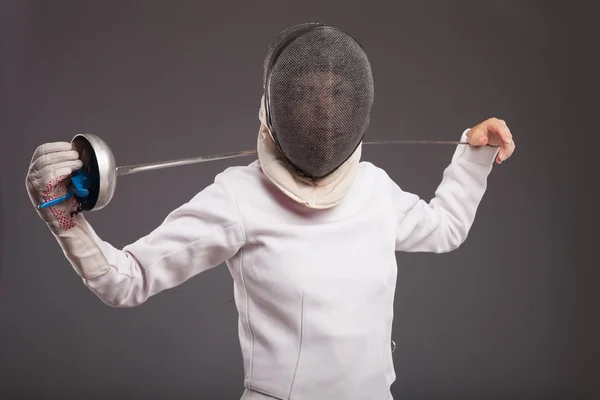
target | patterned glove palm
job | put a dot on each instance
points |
(49, 178)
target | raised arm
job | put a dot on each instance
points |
(199, 235)
(442, 224)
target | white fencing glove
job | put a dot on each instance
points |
(48, 178)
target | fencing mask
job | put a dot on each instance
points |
(318, 94)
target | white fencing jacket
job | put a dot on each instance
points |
(314, 288)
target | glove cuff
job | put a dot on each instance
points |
(80, 247)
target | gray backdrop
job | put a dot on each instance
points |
(512, 314)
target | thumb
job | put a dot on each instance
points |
(477, 137)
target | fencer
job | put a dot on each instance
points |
(308, 230)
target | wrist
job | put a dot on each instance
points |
(478, 154)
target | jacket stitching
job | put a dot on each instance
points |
(300, 346)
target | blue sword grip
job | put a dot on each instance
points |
(55, 201)
(79, 188)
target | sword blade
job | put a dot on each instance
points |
(132, 169)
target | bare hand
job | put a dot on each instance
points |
(495, 133)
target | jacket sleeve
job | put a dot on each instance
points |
(197, 236)
(443, 224)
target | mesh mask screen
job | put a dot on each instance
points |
(319, 92)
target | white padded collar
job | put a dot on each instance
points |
(319, 193)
